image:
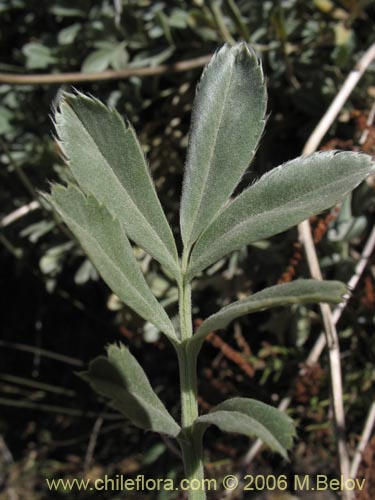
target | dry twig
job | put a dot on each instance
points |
(77, 77)
(352, 283)
(320, 343)
(18, 213)
(366, 434)
(92, 444)
(306, 236)
(334, 109)
(313, 262)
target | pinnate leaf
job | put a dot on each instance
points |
(121, 378)
(106, 159)
(227, 122)
(105, 241)
(251, 418)
(283, 197)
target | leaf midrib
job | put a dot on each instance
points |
(235, 307)
(276, 444)
(203, 191)
(240, 225)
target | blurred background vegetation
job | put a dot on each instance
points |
(56, 314)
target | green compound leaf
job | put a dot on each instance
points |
(121, 378)
(296, 292)
(106, 159)
(105, 242)
(251, 418)
(227, 122)
(283, 197)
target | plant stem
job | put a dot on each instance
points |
(191, 449)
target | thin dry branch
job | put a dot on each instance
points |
(73, 412)
(77, 77)
(369, 122)
(352, 283)
(366, 434)
(39, 351)
(330, 320)
(334, 109)
(320, 343)
(92, 444)
(334, 356)
(306, 237)
(7, 220)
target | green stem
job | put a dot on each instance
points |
(191, 449)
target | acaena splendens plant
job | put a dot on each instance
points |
(116, 202)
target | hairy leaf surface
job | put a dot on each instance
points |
(104, 240)
(106, 159)
(283, 197)
(251, 418)
(296, 292)
(121, 378)
(227, 122)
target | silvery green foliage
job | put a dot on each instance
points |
(106, 159)
(117, 201)
(227, 123)
(106, 243)
(251, 418)
(280, 199)
(121, 378)
(295, 292)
